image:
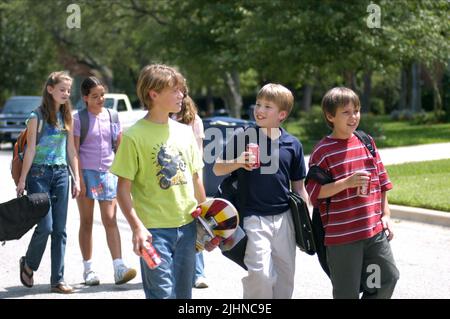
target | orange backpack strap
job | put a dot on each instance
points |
(19, 146)
(22, 140)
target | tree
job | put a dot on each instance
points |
(27, 54)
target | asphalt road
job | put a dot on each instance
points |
(421, 253)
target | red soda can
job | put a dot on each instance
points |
(364, 190)
(254, 149)
(151, 256)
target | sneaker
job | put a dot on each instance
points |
(200, 282)
(123, 274)
(91, 278)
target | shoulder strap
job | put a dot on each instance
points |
(84, 124)
(365, 139)
(113, 118)
(40, 124)
(39, 130)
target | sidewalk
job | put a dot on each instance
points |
(420, 215)
(415, 153)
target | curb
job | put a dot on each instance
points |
(420, 215)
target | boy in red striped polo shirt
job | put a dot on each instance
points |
(357, 226)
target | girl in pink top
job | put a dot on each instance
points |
(97, 183)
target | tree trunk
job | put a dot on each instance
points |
(403, 89)
(367, 90)
(437, 99)
(415, 88)
(233, 96)
(350, 80)
(307, 97)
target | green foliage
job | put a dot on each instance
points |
(27, 54)
(422, 184)
(428, 117)
(377, 106)
(314, 127)
(310, 129)
(371, 125)
(406, 133)
(402, 115)
(291, 42)
(421, 117)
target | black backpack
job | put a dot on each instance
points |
(229, 189)
(19, 215)
(324, 177)
(304, 236)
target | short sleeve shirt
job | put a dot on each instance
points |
(51, 149)
(349, 217)
(96, 152)
(267, 187)
(160, 160)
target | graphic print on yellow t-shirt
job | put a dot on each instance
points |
(170, 165)
(137, 161)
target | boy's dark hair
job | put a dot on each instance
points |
(88, 84)
(336, 97)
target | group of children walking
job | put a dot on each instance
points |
(155, 176)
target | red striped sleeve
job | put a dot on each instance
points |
(350, 217)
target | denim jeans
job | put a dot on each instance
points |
(199, 266)
(173, 278)
(53, 180)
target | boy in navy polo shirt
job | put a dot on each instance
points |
(270, 252)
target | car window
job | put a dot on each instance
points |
(109, 103)
(121, 106)
(21, 106)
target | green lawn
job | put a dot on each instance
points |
(421, 184)
(405, 133)
(393, 133)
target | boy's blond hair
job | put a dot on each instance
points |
(279, 95)
(338, 97)
(157, 77)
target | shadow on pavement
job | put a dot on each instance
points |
(44, 289)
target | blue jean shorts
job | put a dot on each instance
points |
(100, 185)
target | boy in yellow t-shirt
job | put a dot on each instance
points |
(159, 185)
